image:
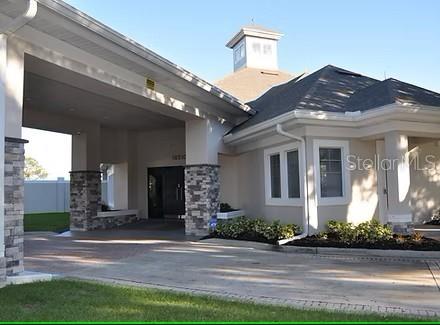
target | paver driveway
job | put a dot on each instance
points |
(224, 268)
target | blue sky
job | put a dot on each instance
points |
(399, 39)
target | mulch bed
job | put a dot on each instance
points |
(425, 244)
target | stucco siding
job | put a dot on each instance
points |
(362, 193)
(424, 193)
(251, 195)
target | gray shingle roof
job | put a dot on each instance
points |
(333, 89)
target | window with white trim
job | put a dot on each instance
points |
(239, 53)
(282, 175)
(330, 166)
(332, 178)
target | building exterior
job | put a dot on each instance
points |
(178, 145)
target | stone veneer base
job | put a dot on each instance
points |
(2, 270)
(202, 191)
(85, 199)
(14, 205)
(102, 223)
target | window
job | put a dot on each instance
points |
(282, 175)
(267, 49)
(331, 176)
(239, 53)
(256, 47)
(293, 174)
(275, 176)
(330, 166)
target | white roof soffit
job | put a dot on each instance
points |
(74, 15)
(418, 113)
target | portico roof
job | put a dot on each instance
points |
(67, 24)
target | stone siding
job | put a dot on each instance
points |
(14, 205)
(202, 197)
(101, 223)
(85, 199)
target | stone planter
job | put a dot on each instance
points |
(230, 215)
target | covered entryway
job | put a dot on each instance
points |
(123, 104)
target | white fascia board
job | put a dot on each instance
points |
(71, 13)
(408, 113)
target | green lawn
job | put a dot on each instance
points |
(56, 222)
(68, 300)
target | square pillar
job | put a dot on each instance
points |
(11, 156)
(14, 205)
(204, 141)
(85, 199)
(202, 197)
(398, 180)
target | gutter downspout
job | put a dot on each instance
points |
(5, 32)
(305, 232)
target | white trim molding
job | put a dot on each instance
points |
(284, 200)
(346, 181)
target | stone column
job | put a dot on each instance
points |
(85, 199)
(202, 197)
(398, 179)
(14, 205)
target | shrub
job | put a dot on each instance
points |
(417, 236)
(373, 231)
(343, 231)
(254, 229)
(435, 218)
(369, 231)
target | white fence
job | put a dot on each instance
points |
(50, 196)
(46, 196)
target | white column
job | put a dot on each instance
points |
(204, 141)
(86, 149)
(311, 187)
(398, 177)
(3, 61)
(14, 89)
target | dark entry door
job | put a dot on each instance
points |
(166, 194)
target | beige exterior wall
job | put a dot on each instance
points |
(424, 193)
(249, 186)
(363, 199)
(245, 173)
(229, 180)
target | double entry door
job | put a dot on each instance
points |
(166, 192)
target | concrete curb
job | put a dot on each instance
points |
(351, 252)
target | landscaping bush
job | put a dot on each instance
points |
(244, 228)
(369, 231)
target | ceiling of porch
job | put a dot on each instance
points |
(64, 93)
